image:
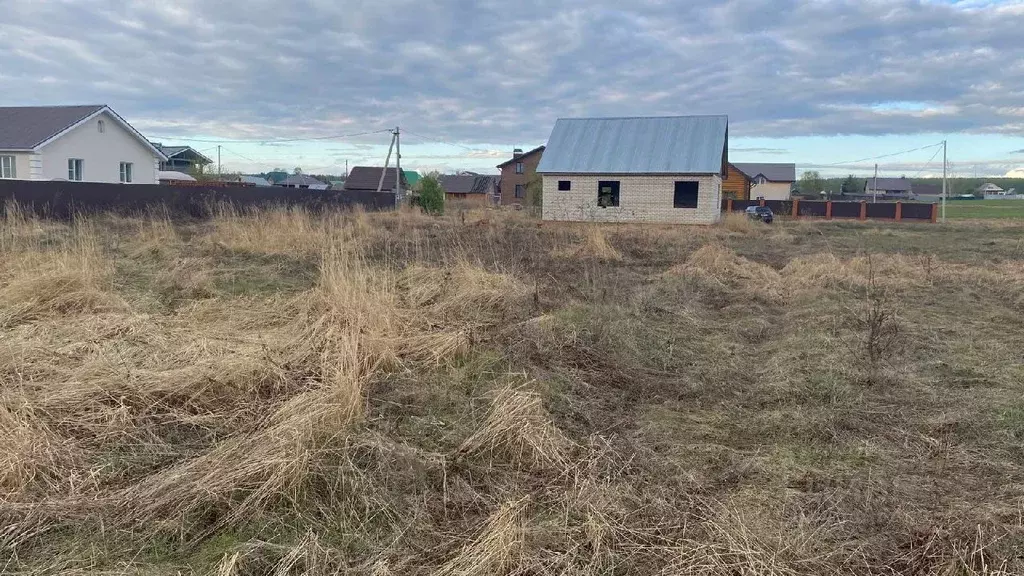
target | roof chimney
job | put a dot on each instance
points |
(517, 152)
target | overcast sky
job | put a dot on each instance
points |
(811, 82)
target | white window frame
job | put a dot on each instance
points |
(126, 172)
(76, 169)
(8, 167)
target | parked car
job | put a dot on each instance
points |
(762, 213)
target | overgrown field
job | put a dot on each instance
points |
(481, 394)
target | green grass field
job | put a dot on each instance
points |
(961, 209)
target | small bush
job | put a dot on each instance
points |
(431, 195)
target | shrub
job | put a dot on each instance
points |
(431, 195)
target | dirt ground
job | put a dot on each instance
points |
(483, 393)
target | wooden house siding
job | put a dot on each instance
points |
(736, 185)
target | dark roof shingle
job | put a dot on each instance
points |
(468, 184)
(889, 184)
(25, 127)
(772, 171)
(521, 156)
(367, 178)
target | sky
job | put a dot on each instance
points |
(828, 85)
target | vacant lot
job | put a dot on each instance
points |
(275, 393)
(962, 209)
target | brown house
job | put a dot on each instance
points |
(516, 175)
(736, 184)
(470, 189)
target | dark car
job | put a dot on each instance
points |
(762, 213)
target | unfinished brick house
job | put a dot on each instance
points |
(516, 175)
(666, 169)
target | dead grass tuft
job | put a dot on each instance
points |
(721, 267)
(497, 549)
(593, 244)
(518, 429)
(740, 223)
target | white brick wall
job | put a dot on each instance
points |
(642, 198)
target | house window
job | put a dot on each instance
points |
(7, 167)
(126, 172)
(686, 195)
(519, 167)
(75, 168)
(608, 193)
(520, 191)
(564, 185)
(101, 126)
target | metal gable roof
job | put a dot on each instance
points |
(25, 127)
(655, 145)
(773, 172)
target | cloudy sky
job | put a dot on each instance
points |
(820, 83)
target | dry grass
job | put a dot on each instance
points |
(476, 394)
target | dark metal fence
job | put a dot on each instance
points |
(799, 208)
(65, 199)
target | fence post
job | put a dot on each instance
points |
(935, 213)
(796, 208)
(863, 210)
(762, 201)
(899, 211)
(728, 205)
(828, 210)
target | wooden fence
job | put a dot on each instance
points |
(796, 208)
(58, 199)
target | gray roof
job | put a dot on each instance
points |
(468, 184)
(25, 127)
(171, 151)
(301, 180)
(665, 145)
(889, 184)
(255, 180)
(521, 156)
(773, 172)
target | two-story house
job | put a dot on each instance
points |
(516, 175)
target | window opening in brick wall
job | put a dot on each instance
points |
(564, 185)
(608, 193)
(686, 194)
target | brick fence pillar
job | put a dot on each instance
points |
(828, 210)
(935, 213)
(762, 201)
(796, 208)
(728, 205)
(899, 211)
(863, 210)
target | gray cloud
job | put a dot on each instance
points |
(486, 71)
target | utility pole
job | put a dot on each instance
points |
(874, 187)
(380, 183)
(945, 187)
(218, 161)
(398, 166)
(346, 168)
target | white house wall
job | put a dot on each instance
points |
(771, 191)
(22, 164)
(642, 198)
(102, 153)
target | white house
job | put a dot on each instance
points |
(84, 143)
(666, 169)
(769, 180)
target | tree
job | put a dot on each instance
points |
(431, 195)
(535, 191)
(811, 184)
(849, 185)
(297, 170)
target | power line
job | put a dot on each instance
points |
(880, 157)
(272, 140)
(444, 142)
(927, 164)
